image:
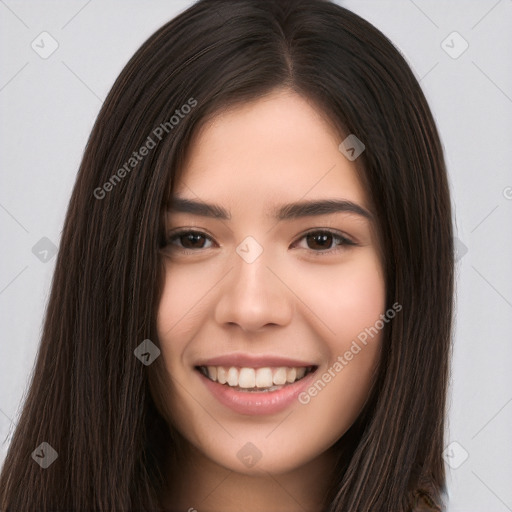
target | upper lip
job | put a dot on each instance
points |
(253, 361)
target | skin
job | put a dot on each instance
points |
(290, 301)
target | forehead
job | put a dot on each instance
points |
(274, 150)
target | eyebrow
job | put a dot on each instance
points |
(283, 212)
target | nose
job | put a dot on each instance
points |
(253, 295)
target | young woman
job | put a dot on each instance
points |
(252, 303)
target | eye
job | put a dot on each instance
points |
(321, 241)
(188, 241)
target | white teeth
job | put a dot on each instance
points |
(252, 378)
(233, 377)
(263, 377)
(222, 376)
(279, 377)
(247, 378)
(291, 374)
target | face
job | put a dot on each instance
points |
(269, 325)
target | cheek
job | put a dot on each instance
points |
(335, 399)
(180, 314)
(347, 298)
(183, 310)
(353, 312)
(350, 302)
(182, 307)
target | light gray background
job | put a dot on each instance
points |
(48, 107)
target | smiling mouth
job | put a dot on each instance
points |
(260, 380)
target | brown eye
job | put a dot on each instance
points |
(319, 242)
(188, 240)
(322, 242)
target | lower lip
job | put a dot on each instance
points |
(254, 403)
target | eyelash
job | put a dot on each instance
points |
(344, 241)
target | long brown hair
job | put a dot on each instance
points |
(89, 396)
